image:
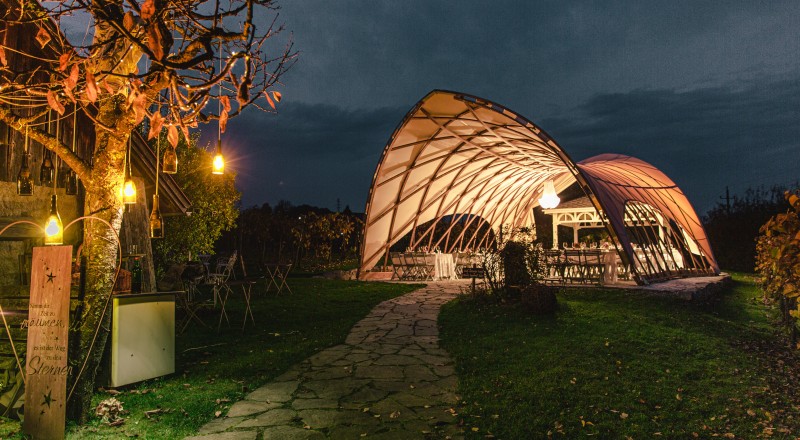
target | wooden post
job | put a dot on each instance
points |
(48, 325)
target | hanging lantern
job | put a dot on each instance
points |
(129, 191)
(129, 187)
(156, 221)
(170, 160)
(71, 183)
(549, 198)
(47, 170)
(24, 180)
(218, 167)
(53, 228)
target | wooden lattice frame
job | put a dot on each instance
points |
(461, 157)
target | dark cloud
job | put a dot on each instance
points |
(531, 55)
(704, 139)
(706, 91)
(308, 153)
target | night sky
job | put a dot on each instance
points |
(708, 92)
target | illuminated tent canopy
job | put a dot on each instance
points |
(473, 162)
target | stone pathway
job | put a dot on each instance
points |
(389, 380)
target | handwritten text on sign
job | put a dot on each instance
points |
(48, 324)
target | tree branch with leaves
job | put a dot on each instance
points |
(163, 62)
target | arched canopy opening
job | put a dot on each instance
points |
(456, 157)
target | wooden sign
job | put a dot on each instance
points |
(48, 324)
(472, 272)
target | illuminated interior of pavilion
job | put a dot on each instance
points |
(457, 159)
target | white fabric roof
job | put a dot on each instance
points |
(459, 154)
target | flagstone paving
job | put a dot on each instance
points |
(389, 380)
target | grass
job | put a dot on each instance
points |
(616, 365)
(213, 370)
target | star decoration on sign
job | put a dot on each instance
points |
(48, 399)
(51, 277)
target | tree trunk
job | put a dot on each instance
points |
(100, 249)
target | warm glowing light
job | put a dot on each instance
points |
(218, 166)
(549, 198)
(129, 192)
(53, 228)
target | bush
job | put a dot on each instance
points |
(778, 261)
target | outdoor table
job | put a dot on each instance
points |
(276, 274)
(246, 286)
(444, 267)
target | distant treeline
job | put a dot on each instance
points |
(733, 229)
(311, 238)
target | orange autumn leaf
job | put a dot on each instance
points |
(223, 115)
(127, 20)
(139, 104)
(72, 80)
(3, 59)
(156, 123)
(107, 87)
(43, 37)
(91, 87)
(154, 41)
(52, 100)
(148, 9)
(63, 62)
(172, 135)
(269, 100)
(277, 96)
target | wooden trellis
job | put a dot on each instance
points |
(474, 162)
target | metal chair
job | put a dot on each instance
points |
(220, 276)
(276, 275)
(554, 266)
(593, 266)
(573, 266)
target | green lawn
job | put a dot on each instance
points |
(216, 369)
(614, 365)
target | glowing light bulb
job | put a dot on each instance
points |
(218, 166)
(53, 228)
(129, 192)
(549, 198)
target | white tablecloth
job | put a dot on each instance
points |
(444, 267)
(610, 259)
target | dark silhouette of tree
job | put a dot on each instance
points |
(733, 232)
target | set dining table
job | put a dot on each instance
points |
(424, 266)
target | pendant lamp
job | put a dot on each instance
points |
(170, 160)
(129, 187)
(24, 180)
(156, 220)
(47, 170)
(53, 228)
(549, 198)
(218, 166)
